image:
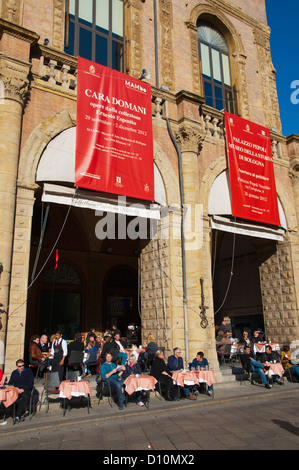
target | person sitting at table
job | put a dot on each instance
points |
(36, 352)
(111, 373)
(200, 362)
(286, 360)
(271, 356)
(174, 363)
(44, 345)
(245, 339)
(160, 371)
(120, 345)
(109, 346)
(250, 364)
(132, 368)
(146, 357)
(23, 379)
(91, 359)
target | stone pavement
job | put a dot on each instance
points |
(247, 413)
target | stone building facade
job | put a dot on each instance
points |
(38, 104)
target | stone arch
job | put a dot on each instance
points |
(214, 16)
(238, 57)
(38, 140)
(51, 127)
(220, 165)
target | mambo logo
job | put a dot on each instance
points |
(135, 86)
(116, 101)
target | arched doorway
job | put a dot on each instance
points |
(240, 251)
(61, 300)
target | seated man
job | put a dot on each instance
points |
(110, 373)
(36, 352)
(201, 362)
(120, 345)
(271, 356)
(249, 363)
(175, 362)
(23, 379)
(109, 346)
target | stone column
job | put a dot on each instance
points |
(201, 335)
(14, 85)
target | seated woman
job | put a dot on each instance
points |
(202, 363)
(161, 373)
(91, 357)
(286, 357)
(132, 368)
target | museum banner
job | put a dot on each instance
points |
(114, 139)
(251, 171)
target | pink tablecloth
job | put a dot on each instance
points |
(276, 369)
(261, 347)
(70, 389)
(207, 376)
(143, 382)
(9, 395)
(194, 377)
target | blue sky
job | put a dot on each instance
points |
(284, 40)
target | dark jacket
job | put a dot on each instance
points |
(151, 348)
(136, 369)
(158, 366)
(35, 351)
(175, 363)
(270, 357)
(24, 380)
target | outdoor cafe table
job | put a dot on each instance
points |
(193, 377)
(69, 389)
(261, 347)
(275, 369)
(8, 395)
(142, 382)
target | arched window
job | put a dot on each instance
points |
(94, 29)
(215, 67)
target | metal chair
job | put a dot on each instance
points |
(225, 354)
(34, 365)
(51, 386)
(75, 362)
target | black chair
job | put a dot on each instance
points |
(51, 387)
(103, 387)
(75, 363)
(35, 365)
(225, 356)
(33, 402)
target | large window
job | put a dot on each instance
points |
(94, 29)
(215, 67)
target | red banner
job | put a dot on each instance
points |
(252, 181)
(114, 144)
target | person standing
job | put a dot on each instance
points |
(58, 354)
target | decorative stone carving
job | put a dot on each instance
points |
(12, 11)
(189, 138)
(14, 79)
(166, 27)
(267, 75)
